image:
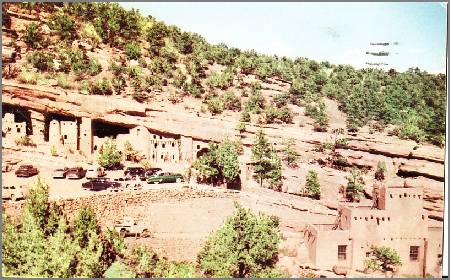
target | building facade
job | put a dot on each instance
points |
(397, 220)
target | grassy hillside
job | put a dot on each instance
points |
(104, 49)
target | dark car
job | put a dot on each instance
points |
(100, 184)
(26, 170)
(165, 177)
(150, 171)
(75, 173)
(132, 173)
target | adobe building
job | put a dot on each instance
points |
(396, 220)
(87, 135)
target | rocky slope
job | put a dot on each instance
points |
(421, 165)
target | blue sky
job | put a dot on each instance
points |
(336, 32)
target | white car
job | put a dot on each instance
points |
(95, 172)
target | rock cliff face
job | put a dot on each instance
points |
(422, 164)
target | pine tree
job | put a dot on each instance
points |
(245, 246)
(313, 185)
(261, 156)
(290, 154)
(109, 157)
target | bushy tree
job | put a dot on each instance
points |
(381, 170)
(245, 246)
(267, 164)
(312, 186)
(109, 157)
(33, 38)
(64, 26)
(219, 163)
(41, 60)
(215, 105)
(133, 50)
(355, 186)
(290, 154)
(384, 259)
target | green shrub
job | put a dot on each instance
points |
(355, 186)
(133, 50)
(231, 101)
(256, 103)
(63, 82)
(119, 270)
(63, 25)
(312, 185)
(33, 38)
(89, 34)
(240, 127)
(281, 100)
(222, 81)
(94, 67)
(54, 151)
(290, 154)
(109, 157)
(384, 259)
(245, 246)
(318, 113)
(381, 170)
(285, 115)
(215, 105)
(102, 87)
(28, 77)
(43, 61)
(24, 141)
(193, 89)
(270, 114)
(245, 117)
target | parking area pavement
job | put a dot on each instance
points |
(72, 188)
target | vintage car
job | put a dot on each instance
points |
(100, 184)
(128, 226)
(26, 170)
(12, 192)
(95, 172)
(60, 173)
(75, 173)
(165, 177)
(133, 173)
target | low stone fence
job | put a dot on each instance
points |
(109, 206)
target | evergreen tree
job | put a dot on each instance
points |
(109, 157)
(313, 185)
(245, 246)
(290, 154)
(355, 186)
(261, 156)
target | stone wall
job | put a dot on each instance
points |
(111, 206)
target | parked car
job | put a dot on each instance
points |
(128, 226)
(60, 173)
(26, 170)
(75, 173)
(132, 173)
(95, 172)
(12, 192)
(165, 177)
(100, 184)
(150, 171)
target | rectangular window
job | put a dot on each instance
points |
(342, 252)
(414, 253)
(368, 254)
